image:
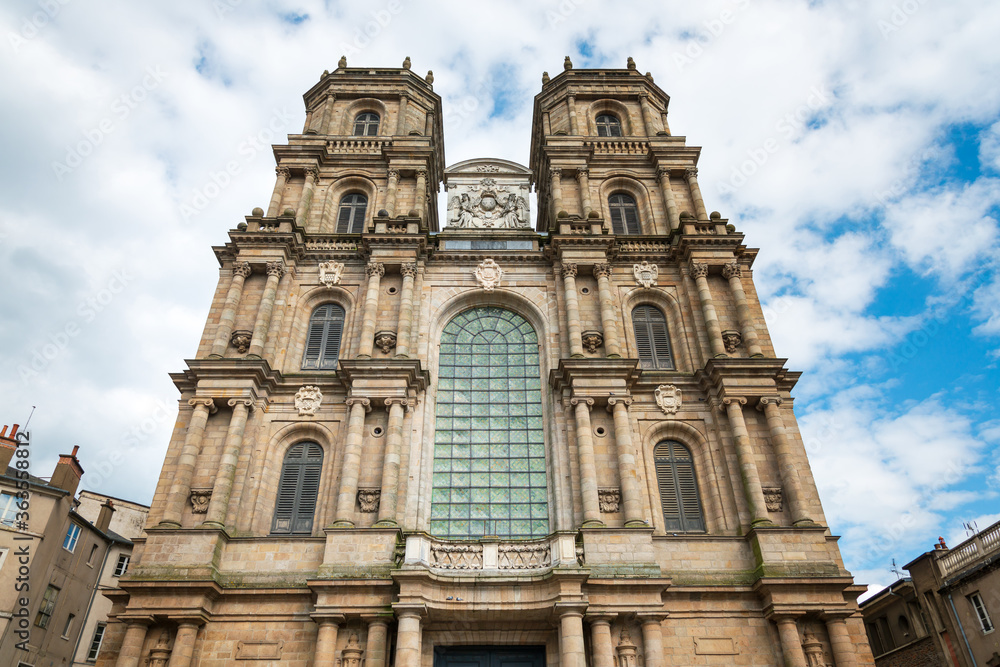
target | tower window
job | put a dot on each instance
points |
(624, 214)
(366, 124)
(323, 341)
(298, 489)
(351, 218)
(652, 339)
(678, 487)
(608, 126)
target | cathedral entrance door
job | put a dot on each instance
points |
(489, 656)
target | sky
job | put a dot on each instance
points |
(857, 144)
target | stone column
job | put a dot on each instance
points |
(647, 116)
(691, 173)
(600, 640)
(307, 125)
(663, 121)
(608, 320)
(375, 272)
(131, 650)
(747, 461)
(700, 273)
(429, 124)
(663, 174)
(180, 488)
(652, 640)
(305, 201)
(401, 116)
(791, 643)
(556, 194)
(390, 466)
(583, 180)
(378, 631)
(275, 270)
(588, 463)
(840, 642)
(324, 123)
(241, 271)
(218, 506)
(279, 190)
(791, 485)
(326, 641)
(574, 126)
(420, 198)
(183, 649)
(403, 329)
(631, 499)
(571, 652)
(352, 460)
(572, 310)
(390, 192)
(733, 274)
(408, 639)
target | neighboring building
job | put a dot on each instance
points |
(424, 441)
(70, 554)
(957, 594)
(899, 632)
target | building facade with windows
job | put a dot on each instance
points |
(423, 437)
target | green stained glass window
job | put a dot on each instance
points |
(489, 396)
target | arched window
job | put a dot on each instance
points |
(351, 218)
(608, 126)
(678, 487)
(624, 214)
(298, 489)
(652, 339)
(323, 341)
(489, 443)
(366, 124)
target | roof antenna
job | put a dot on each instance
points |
(970, 528)
(895, 570)
(25, 427)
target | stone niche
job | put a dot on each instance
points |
(487, 193)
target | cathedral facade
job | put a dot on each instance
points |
(486, 434)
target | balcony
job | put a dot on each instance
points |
(972, 551)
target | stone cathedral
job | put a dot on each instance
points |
(482, 435)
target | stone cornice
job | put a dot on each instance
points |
(595, 378)
(745, 378)
(353, 372)
(262, 378)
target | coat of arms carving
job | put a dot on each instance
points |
(646, 273)
(489, 205)
(308, 399)
(330, 273)
(668, 397)
(489, 275)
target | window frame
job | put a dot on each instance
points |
(364, 121)
(652, 347)
(607, 126)
(8, 506)
(68, 626)
(121, 567)
(308, 469)
(355, 223)
(683, 503)
(47, 607)
(316, 355)
(72, 537)
(96, 642)
(982, 613)
(627, 204)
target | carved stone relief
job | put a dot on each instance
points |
(732, 340)
(668, 397)
(645, 273)
(609, 499)
(308, 399)
(488, 205)
(386, 340)
(369, 500)
(592, 340)
(489, 275)
(199, 500)
(241, 340)
(330, 273)
(773, 498)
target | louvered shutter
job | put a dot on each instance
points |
(678, 488)
(298, 489)
(326, 327)
(652, 338)
(331, 342)
(643, 337)
(631, 219)
(314, 343)
(344, 217)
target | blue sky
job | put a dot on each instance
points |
(856, 143)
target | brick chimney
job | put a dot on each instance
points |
(8, 443)
(68, 472)
(104, 518)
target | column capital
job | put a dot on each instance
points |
(375, 268)
(569, 270)
(281, 172)
(408, 270)
(652, 617)
(410, 611)
(323, 618)
(421, 173)
(242, 269)
(731, 270)
(351, 401)
(582, 172)
(698, 269)
(311, 172)
(663, 173)
(691, 172)
(836, 615)
(392, 400)
(207, 402)
(276, 268)
(393, 173)
(248, 402)
(555, 173)
(602, 270)
(615, 400)
(196, 620)
(577, 400)
(764, 401)
(729, 400)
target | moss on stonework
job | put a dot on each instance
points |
(644, 571)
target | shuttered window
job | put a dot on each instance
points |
(298, 489)
(624, 214)
(351, 216)
(608, 126)
(678, 488)
(366, 124)
(323, 341)
(652, 339)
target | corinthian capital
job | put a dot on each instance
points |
(242, 269)
(276, 268)
(393, 174)
(602, 270)
(569, 270)
(582, 172)
(691, 172)
(408, 270)
(311, 172)
(699, 270)
(730, 270)
(375, 269)
(281, 172)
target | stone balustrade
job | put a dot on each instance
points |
(971, 550)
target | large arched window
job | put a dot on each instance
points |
(608, 126)
(489, 447)
(351, 217)
(366, 124)
(678, 488)
(652, 339)
(624, 214)
(298, 489)
(326, 327)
